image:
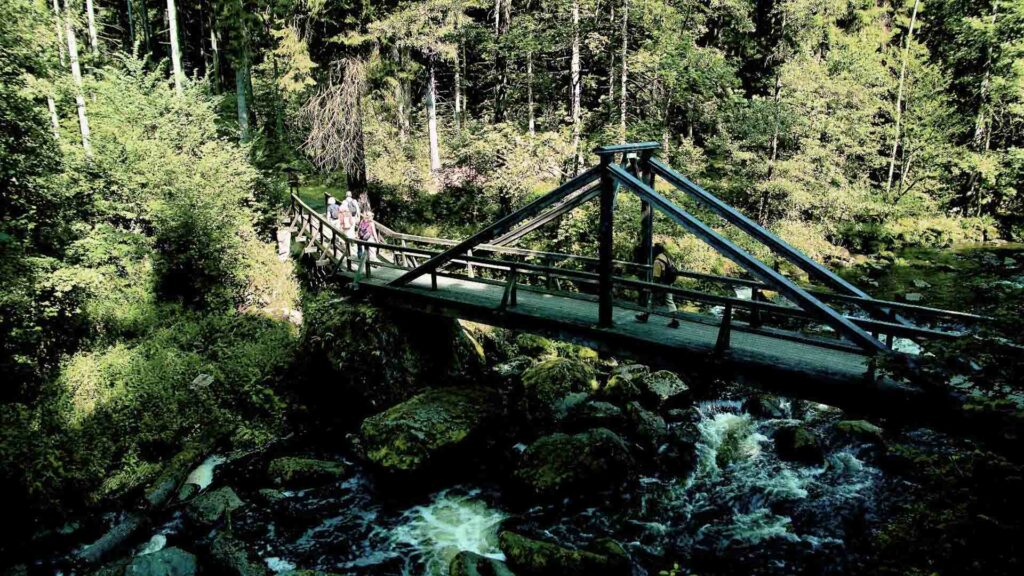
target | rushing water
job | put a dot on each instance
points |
(740, 497)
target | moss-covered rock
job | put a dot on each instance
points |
(468, 563)
(765, 406)
(410, 435)
(664, 389)
(861, 430)
(375, 357)
(593, 414)
(800, 444)
(535, 346)
(529, 557)
(166, 562)
(294, 472)
(646, 428)
(230, 557)
(586, 463)
(548, 382)
(625, 383)
(208, 508)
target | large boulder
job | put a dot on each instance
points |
(535, 346)
(664, 389)
(431, 425)
(861, 430)
(799, 444)
(592, 414)
(589, 462)
(765, 406)
(293, 472)
(468, 563)
(645, 428)
(207, 509)
(529, 557)
(550, 381)
(231, 557)
(625, 383)
(374, 357)
(166, 562)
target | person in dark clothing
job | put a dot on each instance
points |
(293, 180)
(664, 273)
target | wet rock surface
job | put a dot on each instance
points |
(211, 507)
(297, 472)
(408, 436)
(530, 557)
(580, 464)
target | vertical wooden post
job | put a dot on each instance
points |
(469, 264)
(604, 236)
(646, 226)
(724, 330)
(755, 310)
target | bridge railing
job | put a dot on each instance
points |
(858, 321)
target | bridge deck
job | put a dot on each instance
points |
(576, 319)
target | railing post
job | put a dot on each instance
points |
(724, 330)
(646, 225)
(469, 265)
(604, 236)
(755, 309)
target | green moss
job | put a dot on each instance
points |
(407, 436)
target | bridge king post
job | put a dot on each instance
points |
(604, 319)
(646, 225)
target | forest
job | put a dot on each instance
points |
(148, 323)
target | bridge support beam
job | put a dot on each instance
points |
(604, 237)
(646, 225)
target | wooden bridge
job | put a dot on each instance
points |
(819, 342)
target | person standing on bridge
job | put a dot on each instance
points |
(664, 273)
(368, 233)
(347, 223)
(352, 205)
(332, 211)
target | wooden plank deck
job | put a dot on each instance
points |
(816, 372)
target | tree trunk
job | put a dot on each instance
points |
(458, 79)
(131, 24)
(529, 93)
(577, 89)
(625, 68)
(76, 74)
(94, 42)
(899, 99)
(435, 154)
(241, 88)
(147, 32)
(981, 129)
(214, 56)
(356, 174)
(503, 14)
(54, 120)
(172, 21)
(60, 32)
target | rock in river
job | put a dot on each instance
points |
(664, 389)
(529, 557)
(293, 472)
(548, 382)
(468, 563)
(207, 509)
(800, 444)
(166, 562)
(231, 558)
(408, 436)
(559, 464)
(861, 430)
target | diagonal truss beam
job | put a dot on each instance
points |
(752, 265)
(567, 206)
(502, 226)
(736, 218)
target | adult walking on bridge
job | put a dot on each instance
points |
(665, 273)
(352, 204)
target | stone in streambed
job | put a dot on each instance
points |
(231, 557)
(581, 464)
(664, 389)
(468, 563)
(548, 382)
(529, 557)
(625, 383)
(408, 436)
(535, 346)
(166, 562)
(800, 444)
(209, 508)
(645, 428)
(861, 430)
(592, 414)
(765, 406)
(294, 472)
